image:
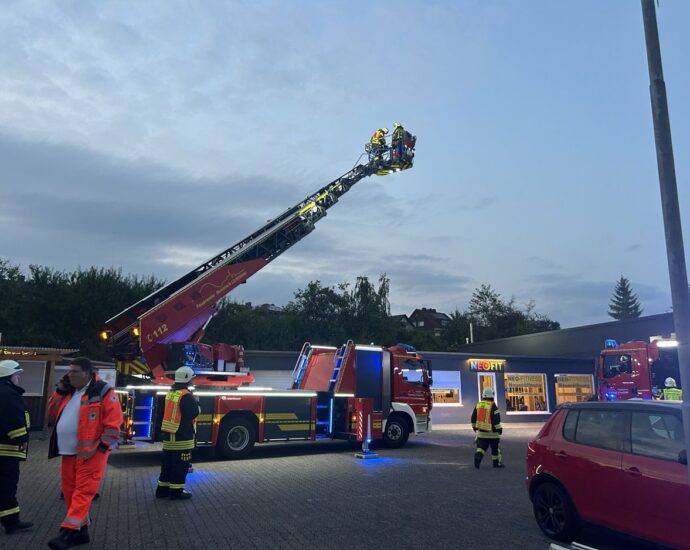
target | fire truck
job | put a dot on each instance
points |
(355, 393)
(636, 369)
(152, 338)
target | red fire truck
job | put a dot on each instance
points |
(354, 392)
(636, 369)
(152, 338)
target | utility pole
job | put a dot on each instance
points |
(669, 204)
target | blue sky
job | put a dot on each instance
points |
(151, 135)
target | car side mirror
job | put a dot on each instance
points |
(683, 457)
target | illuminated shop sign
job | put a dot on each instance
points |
(487, 365)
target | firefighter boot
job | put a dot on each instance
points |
(13, 524)
(478, 459)
(180, 494)
(66, 539)
(162, 492)
(83, 537)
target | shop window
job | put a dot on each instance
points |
(525, 393)
(446, 388)
(573, 388)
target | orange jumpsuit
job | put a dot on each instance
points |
(100, 418)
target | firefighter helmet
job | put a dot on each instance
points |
(9, 367)
(396, 125)
(488, 393)
(670, 382)
(384, 130)
(184, 375)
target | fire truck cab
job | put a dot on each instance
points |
(636, 369)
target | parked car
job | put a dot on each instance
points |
(619, 464)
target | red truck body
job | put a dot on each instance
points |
(353, 392)
(636, 369)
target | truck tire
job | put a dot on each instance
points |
(236, 438)
(396, 433)
(554, 512)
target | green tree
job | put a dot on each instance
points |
(624, 303)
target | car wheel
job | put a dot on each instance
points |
(236, 438)
(396, 433)
(554, 512)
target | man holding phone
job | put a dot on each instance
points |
(87, 417)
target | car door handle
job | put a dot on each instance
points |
(633, 472)
(562, 454)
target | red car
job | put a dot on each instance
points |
(618, 464)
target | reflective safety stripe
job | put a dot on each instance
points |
(177, 485)
(164, 484)
(17, 433)
(112, 431)
(178, 445)
(74, 521)
(488, 435)
(12, 451)
(87, 443)
(87, 454)
(9, 512)
(480, 451)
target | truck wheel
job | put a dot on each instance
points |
(236, 438)
(396, 433)
(554, 512)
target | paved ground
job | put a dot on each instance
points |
(306, 495)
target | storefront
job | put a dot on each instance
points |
(526, 388)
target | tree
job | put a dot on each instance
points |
(624, 303)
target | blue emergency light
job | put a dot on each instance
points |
(610, 343)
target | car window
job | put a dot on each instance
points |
(600, 428)
(657, 435)
(569, 425)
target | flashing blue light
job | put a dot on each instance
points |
(611, 395)
(407, 347)
(610, 343)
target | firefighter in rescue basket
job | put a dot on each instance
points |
(486, 423)
(179, 429)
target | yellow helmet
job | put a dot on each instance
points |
(384, 130)
(396, 125)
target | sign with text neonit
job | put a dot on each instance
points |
(487, 365)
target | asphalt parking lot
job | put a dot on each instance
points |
(306, 495)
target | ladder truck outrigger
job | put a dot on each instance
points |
(334, 391)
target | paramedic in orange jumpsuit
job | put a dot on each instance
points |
(87, 416)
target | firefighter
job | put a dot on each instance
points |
(671, 392)
(179, 429)
(14, 441)
(486, 423)
(378, 143)
(87, 416)
(397, 140)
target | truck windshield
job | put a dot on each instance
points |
(615, 364)
(412, 371)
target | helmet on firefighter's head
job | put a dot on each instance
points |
(670, 382)
(624, 358)
(9, 367)
(184, 374)
(488, 393)
(396, 125)
(384, 130)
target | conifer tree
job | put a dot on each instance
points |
(624, 303)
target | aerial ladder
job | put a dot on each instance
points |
(163, 331)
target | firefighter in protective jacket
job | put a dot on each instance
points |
(671, 392)
(378, 142)
(14, 440)
(87, 416)
(486, 423)
(178, 428)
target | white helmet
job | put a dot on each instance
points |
(488, 393)
(184, 375)
(670, 382)
(9, 367)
